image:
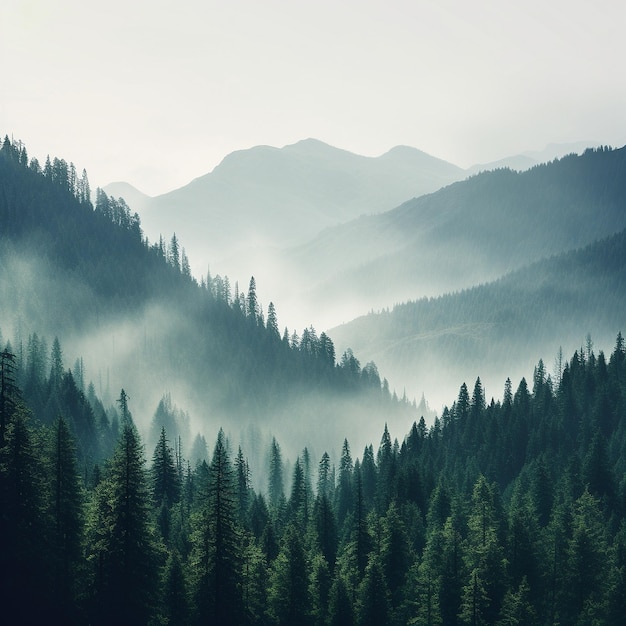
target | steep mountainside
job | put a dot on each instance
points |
(86, 276)
(467, 233)
(501, 328)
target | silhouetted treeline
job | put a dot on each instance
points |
(501, 512)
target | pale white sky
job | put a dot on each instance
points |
(157, 92)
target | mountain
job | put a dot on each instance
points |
(498, 329)
(84, 276)
(526, 160)
(268, 197)
(467, 233)
(132, 196)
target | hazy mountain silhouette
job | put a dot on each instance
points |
(467, 233)
(501, 328)
(132, 196)
(269, 197)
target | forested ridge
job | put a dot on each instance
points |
(77, 269)
(503, 324)
(467, 233)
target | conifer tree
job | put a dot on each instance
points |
(289, 599)
(24, 523)
(164, 474)
(67, 520)
(122, 544)
(344, 483)
(374, 602)
(276, 489)
(216, 544)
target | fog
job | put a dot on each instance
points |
(130, 351)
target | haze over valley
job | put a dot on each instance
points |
(324, 235)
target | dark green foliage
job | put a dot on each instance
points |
(483, 525)
(289, 600)
(67, 521)
(24, 522)
(120, 540)
(216, 555)
(164, 473)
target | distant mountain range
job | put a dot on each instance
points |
(467, 233)
(270, 197)
(271, 212)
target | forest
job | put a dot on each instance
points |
(505, 511)
(502, 512)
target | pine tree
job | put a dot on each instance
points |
(175, 606)
(67, 521)
(24, 523)
(121, 542)
(164, 474)
(326, 529)
(344, 484)
(374, 602)
(216, 549)
(289, 599)
(276, 489)
(272, 322)
(485, 556)
(9, 392)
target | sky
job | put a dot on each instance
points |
(156, 93)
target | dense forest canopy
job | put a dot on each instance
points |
(507, 512)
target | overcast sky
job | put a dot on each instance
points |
(157, 92)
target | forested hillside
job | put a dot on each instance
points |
(467, 233)
(507, 512)
(84, 275)
(501, 326)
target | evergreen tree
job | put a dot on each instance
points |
(374, 603)
(289, 600)
(67, 519)
(216, 558)
(276, 489)
(164, 474)
(121, 541)
(344, 483)
(174, 599)
(340, 605)
(326, 529)
(24, 524)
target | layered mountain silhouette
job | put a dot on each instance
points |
(502, 328)
(470, 232)
(274, 197)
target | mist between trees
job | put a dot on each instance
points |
(502, 512)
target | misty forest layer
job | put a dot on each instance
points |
(498, 512)
(507, 512)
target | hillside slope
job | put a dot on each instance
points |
(465, 234)
(501, 328)
(86, 276)
(267, 196)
